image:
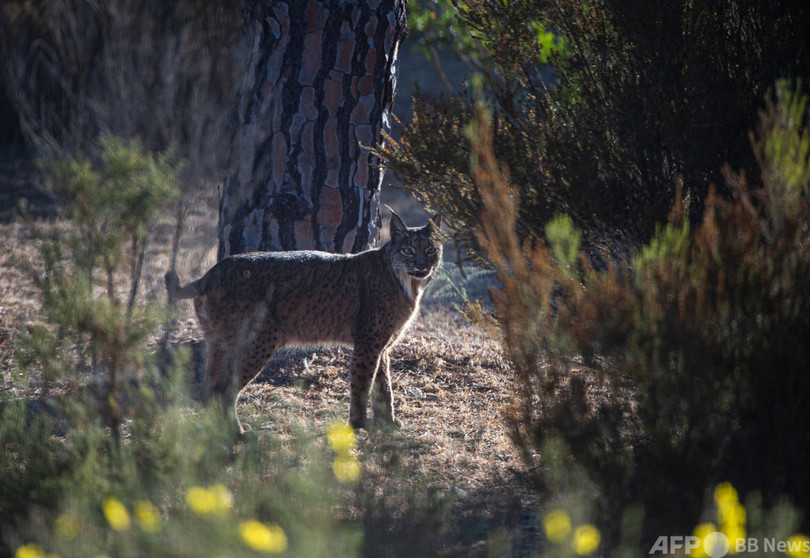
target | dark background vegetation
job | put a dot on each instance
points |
(692, 113)
(642, 96)
(636, 174)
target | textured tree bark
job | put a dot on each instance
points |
(319, 84)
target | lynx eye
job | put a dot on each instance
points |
(431, 250)
(408, 251)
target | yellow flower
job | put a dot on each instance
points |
(263, 538)
(341, 437)
(67, 526)
(33, 550)
(701, 532)
(713, 543)
(200, 500)
(146, 516)
(586, 539)
(223, 499)
(557, 525)
(205, 501)
(115, 513)
(731, 515)
(733, 533)
(30, 550)
(798, 546)
(346, 469)
(725, 495)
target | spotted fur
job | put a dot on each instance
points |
(250, 305)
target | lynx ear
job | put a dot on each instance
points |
(435, 222)
(397, 228)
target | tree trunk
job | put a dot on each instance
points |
(319, 84)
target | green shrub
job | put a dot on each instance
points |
(687, 369)
(92, 339)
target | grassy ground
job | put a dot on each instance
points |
(452, 385)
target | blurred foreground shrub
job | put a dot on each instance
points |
(728, 525)
(91, 342)
(688, 368)
(179, 486)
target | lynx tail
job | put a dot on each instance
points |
(177, 292)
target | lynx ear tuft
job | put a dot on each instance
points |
(397, 228)
(436, 222)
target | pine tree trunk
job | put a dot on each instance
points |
(318, 86)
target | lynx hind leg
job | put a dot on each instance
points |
(253, 362)
(383, 392)
(218, 378)
(223, 371)
(245, 361)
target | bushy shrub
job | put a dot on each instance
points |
(92, 338)
(687, 368)
(641, 95)
(86, 357)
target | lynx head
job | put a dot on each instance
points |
(414, 253)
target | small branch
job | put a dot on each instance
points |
(138, 254)
(434, 57)
(178, 231)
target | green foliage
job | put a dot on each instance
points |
(669, 243)
(644, 96)
(449, 26)
(32, 461)
(91, 338)
(550, 45)
(120, 198)
(686, 369)
(436, 25)
(564, 240)
(786, 148)
(460, 286)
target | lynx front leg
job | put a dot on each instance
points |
(384, 395)
(365, 362)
